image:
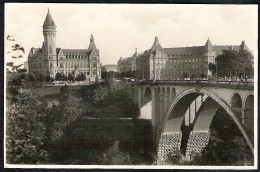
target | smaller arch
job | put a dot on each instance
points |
(236, 101)
(173, 93)
(249, 102)
(147, 95)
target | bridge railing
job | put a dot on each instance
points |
(201, 83)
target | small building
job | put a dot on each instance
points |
(109, 68)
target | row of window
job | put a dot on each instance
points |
(77, 64)
(173, 72)
(180, 66)
(181, 61)
(77, 56)
(185, 55)
(85, 72)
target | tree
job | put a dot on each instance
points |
(64, 93)
(16, 51)
(231, 61)
(47, 78)
(40, 77)
(31, 77)
(58, 76)
(80, 77)
(25, 131)
(70, 77)
(64, 77)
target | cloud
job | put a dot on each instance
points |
(119, 29)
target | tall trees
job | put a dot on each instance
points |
(234, 63)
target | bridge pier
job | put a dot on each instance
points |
(169, 145)
(198, 140)
(162, 105)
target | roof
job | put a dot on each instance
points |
(183, 50)
(48, 20)
(208, 46)
(110, 65)
(76, 51)
(36, 50)
(156, 45)
(219, 48)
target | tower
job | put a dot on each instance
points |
(49, 33)
(92, 43)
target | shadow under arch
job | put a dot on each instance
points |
(236, 100)
(146, 109)
(147, 97)
(193, 94)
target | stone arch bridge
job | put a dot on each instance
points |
(195, 104)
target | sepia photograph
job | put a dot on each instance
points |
(157, 86)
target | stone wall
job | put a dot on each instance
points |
(169, 144)
(198, 140)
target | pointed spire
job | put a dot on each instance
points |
(156, 44)
(156, 41)
(91, 38)
(48, 20)
(208, 46)
(92, 43)
(243, 46)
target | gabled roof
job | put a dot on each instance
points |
(75, 51)
(48, 20)
(208, 46)
(156, 45)
(243, 46)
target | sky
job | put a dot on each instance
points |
(120, 28)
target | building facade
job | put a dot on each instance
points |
(127, 64)
(158, 63)
(109, 68)
(50, 60)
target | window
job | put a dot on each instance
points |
(94, 72)
(61, 64)
(88, 72)
(94, 64)
(50, 64)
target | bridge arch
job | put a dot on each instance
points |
(193, 94)
(236, 100)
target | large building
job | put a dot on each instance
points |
(158, 63)
(50, 60)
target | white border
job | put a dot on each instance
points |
(148, 166)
